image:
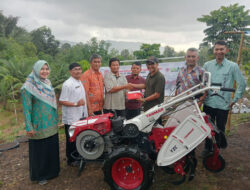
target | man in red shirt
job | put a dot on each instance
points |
(133, 107)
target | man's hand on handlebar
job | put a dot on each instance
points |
(231, 105)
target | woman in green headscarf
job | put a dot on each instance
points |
(40, 112)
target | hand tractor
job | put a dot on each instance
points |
(131, 148)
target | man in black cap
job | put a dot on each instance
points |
(154, 87)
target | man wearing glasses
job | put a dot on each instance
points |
(74, 107)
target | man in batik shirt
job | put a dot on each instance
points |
(93, 83)
(191, 74)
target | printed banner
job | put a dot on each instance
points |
(169, 70)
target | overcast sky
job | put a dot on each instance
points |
(172, 23)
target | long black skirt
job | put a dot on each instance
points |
(44, 162)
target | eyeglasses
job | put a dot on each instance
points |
(77, 69)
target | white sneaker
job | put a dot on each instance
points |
(43, 182)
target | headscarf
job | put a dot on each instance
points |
(38, 87)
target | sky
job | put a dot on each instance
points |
(173, 23)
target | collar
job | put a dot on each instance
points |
(132, 77)
(195, 67)
(154, 74)
(222, 63)
(97, 72)
(116, 75)
(74, 80)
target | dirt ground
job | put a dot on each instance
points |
(14, 173)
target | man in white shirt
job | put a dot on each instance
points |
(74, 106)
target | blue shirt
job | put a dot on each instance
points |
(224, 73)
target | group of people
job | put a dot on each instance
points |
(91, 94)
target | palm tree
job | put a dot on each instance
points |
(12, 76)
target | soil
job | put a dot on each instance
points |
(14, 172)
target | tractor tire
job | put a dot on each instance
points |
(215, 167)
(128, 168)
(90, 137)
(173, 177)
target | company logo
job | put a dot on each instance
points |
(155, 112)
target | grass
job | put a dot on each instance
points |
(236, 120)
(240, 118)
(10, 129)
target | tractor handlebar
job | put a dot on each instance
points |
(216, 84)
(228, 89)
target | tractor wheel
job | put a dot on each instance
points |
(214, 166)
(90, 144)
(172, 176)
(128, 168)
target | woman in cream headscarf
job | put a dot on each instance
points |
(40, 112)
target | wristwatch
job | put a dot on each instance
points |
(75, 104)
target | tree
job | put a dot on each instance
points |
(103, 50)
(99, 47)
(11, 50)
(59, 73)
(45, 41)
(231, 18)
(30, 49)
(126, 55)
(147, 50)
(169, 52)
(21, 35)
(205, 53)
(246, 62)
(181, 53)
(7, 25)
(65, 46)
(84, 64)
(114, 52)
(12, 77)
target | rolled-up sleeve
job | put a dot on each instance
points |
(241, 83)
(27, 109)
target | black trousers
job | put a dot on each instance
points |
(131, 113)
(219, 117)
(70, 146)
(121, 113)
(44, 161)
